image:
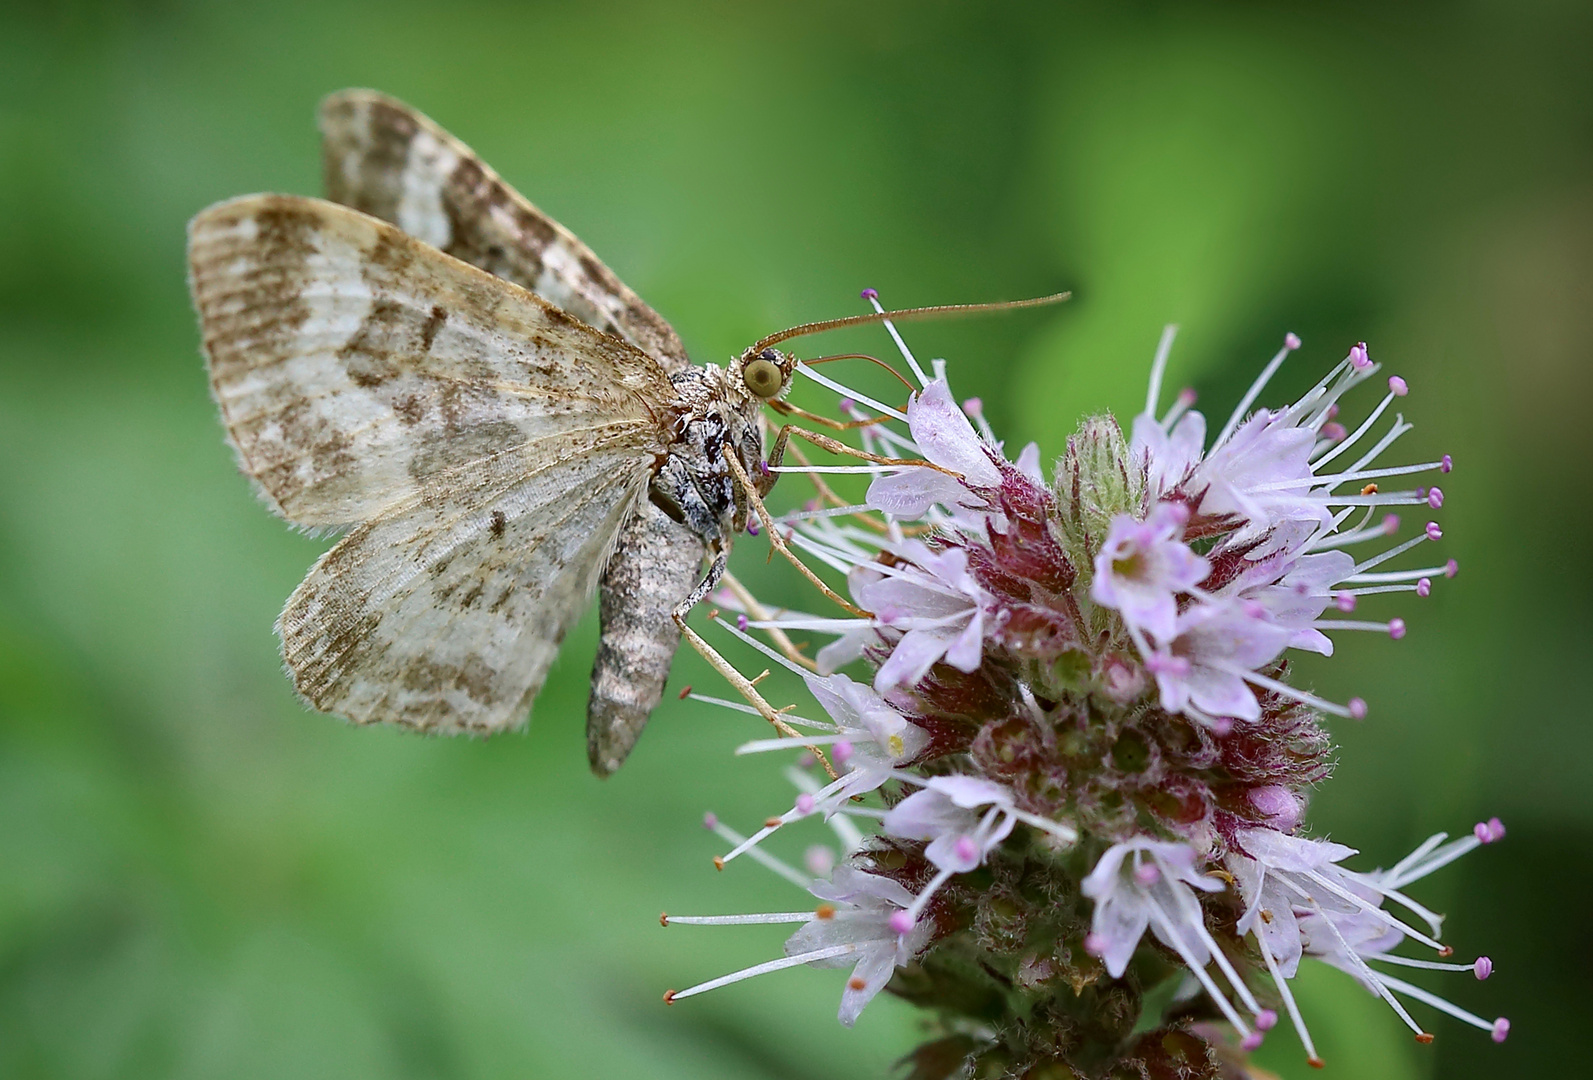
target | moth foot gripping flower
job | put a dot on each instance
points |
(1070, 765)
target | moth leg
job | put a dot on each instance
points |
(716, 570)
(777, 453)
(827, 494)
(748, 691)
(778, 542)
(738, 497)
(835, 446)
(742, 684)
(781, 641)
(785, 408)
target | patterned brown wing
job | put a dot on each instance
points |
(353, 363)
(390, 161)
(445, 613)
(489, 446)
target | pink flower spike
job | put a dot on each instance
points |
(1501, 1030)
(1188, 563)
(710, 820)
(1446, 464)
(1451, 568)
(869, 294)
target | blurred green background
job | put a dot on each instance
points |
(198, 879)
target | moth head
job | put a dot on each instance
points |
(765, 374)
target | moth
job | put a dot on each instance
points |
(501, 426)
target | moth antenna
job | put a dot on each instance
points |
(904, 315)
(864, 356)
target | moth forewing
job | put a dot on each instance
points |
(351, 361)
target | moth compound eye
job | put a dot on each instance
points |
(763, 377)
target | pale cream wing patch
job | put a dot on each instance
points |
(352, 363)
(390, 161)
(445, 614)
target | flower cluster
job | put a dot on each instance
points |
(1077, 767)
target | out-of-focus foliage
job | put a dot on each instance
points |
(199, 879)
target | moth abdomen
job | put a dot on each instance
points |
(656, 562)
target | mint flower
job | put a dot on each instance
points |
(1144, 567)
(1143, 883)
(945, 438)
(1300, 902)
(960, 817)
(939, 606)
(1206, 669)
(852, 928)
